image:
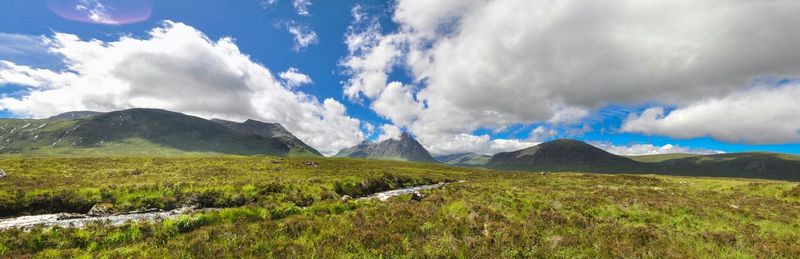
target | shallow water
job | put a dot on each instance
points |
(383, 196)
(80, 220)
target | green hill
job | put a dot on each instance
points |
(660, 157)
(465, 159)
(138, 132)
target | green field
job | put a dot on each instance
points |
(279, 207)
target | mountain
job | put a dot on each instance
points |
(406, 148)
(266, 130)
(563, 155)
(139, 132)
(75, 115)
(742, 165)
(577, 156)
(465, 159)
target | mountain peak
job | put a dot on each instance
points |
(566, 153)
(405, 149)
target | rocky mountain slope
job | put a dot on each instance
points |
(406, 148)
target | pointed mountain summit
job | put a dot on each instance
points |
(406, 148)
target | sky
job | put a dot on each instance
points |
(632, 77)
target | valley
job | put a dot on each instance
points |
(282, 207)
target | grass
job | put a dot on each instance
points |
(660, 157)
(278, 207)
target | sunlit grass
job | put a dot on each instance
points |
(278, 207)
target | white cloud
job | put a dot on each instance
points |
(491, 64)
(175, 67)
(389, 131)
(301, 6)
(759, 115)
(397, 104)
(542, 133)
(96, 11)
(371, 57)
(649, 149)
(268, 3)
(293, 78)
(368, 127)
(463, 143)
(303, 35)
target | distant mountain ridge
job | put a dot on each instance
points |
(464, 159)
(142, 132)
(577, 156)
(406, 148)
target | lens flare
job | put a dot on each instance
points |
(109, 12)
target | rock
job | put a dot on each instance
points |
(346, 198)
(193, 201)
(2, 174)
(416, 196)
(65, 216)
(733, 206)
(311, 164)
(100, 210)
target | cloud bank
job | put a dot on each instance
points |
(177, 68)
(476, 64)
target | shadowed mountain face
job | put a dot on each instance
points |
(405, 149)
(267, 130)
(563, 154)
(142, 132)
(465, 159)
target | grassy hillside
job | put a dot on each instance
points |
(465, 159)
(660, 158)
(279, 207)
(137, 132)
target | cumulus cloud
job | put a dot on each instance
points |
(293, 78)
(649, 149)
(303, 35)
(759, 115)
(397, 104)
(480, 144)
(389, 131)
(543, 133)
(175, 67)
(490, 64)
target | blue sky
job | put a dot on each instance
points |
(476, 76)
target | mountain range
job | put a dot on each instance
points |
(145, 132)
(160, 132)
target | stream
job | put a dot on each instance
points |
(384, 196)
(80, 220)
